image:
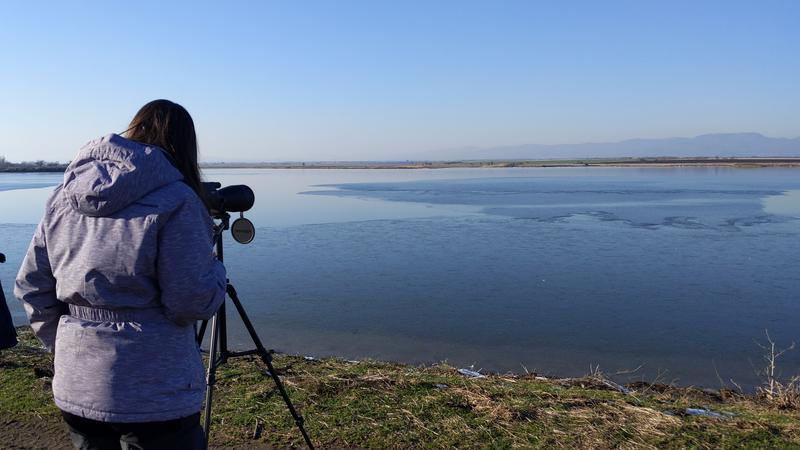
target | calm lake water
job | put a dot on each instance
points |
(676, 270)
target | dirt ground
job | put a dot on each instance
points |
(47, 434)
(42, 434)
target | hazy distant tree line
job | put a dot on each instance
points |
(31, 166)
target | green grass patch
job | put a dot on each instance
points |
(370, 404)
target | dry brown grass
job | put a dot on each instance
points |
(782, 393)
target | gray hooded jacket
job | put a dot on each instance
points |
(119, 270)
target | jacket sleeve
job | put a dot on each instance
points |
(192, 280)
(36, 288)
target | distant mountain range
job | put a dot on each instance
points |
(707, 145)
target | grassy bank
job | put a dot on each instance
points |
(370, 404)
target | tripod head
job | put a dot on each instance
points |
(242, 230)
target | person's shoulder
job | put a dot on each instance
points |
(177, 189)
(176, 195)
(56, 200)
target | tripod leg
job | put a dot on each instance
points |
(211, 377)
(267, 359)
(222, 323)
(201, 332)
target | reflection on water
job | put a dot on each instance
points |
(786, 204)
(12, 181)
(23, 195)
(553, 269)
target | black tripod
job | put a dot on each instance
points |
(218, 352)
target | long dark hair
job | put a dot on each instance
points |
(168, 125)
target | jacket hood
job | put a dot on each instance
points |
(112, 172)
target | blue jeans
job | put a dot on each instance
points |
(184, 433)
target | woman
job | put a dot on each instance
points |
(119, 270)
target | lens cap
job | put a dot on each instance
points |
(243, 231)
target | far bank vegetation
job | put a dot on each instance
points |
(31, 166)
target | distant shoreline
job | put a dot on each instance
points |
(474, 164)
(49, 169)
(617, 162)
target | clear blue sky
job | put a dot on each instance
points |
(383, 80)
